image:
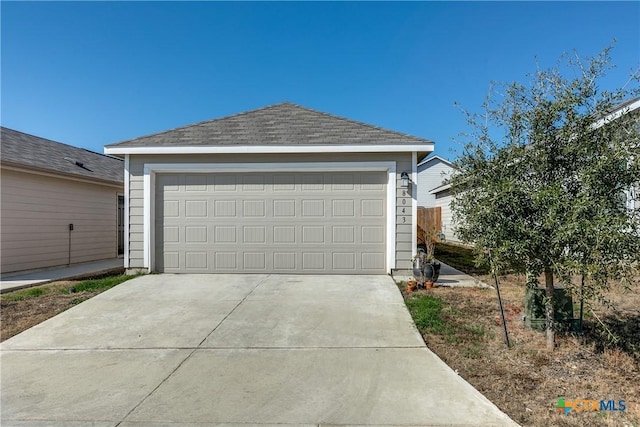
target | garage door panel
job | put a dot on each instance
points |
(253, 208)
(195, 234)
(254, 234)
(344, 234)
(226, 261)
(284, 261)
(253, 182)
(344, 261)
(195, 183)
(343, 182)
(196, 260)
(280, 222)
(254, 260)
(313, 208)
(222, 183)
(371, 260)
(284, 234)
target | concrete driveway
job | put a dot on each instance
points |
(187, 350)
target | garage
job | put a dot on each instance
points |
(280, 189)
(271, 222)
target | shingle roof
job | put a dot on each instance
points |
(279, 124)
(18, 148)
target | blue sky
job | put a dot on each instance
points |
(93, 73)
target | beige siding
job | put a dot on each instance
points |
(36, 212)
(136, 168)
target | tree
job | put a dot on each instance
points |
(541, 177)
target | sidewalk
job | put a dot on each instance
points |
(449, 277)
(12, 282)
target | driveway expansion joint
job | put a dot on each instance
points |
(192, 352)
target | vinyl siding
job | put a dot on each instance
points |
(36, 212)
(136, 191)
(443, 200)
(430, 176)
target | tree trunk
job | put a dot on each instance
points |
(550, 309)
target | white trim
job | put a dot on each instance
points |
(265, 149)
(436, 157)
(75, 178)
(150, 169)
(118, 195)
(147, 216)
(127, 195)
(414, 204)
(616, 114)
(440, 189)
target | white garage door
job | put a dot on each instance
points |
(319, 223)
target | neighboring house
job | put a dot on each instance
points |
(432, 172)
(47, 188)
(443, 195)
(281, 189)
(442, 199)
(630, 106)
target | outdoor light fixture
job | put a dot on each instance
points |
(405, 179)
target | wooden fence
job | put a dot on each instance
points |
(429, 222)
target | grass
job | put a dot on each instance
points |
(24, 294)
(99, 284)
(427, 314)
(24, 308)
(435, 316)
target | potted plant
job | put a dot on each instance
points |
(411, 285)
(425, 267)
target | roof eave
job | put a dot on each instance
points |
(436, 157)
(632, 105)
(56, 173)
(440, 189)
(426, 147)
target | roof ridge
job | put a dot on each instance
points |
(356, 121)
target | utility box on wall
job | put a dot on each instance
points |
(534, 308)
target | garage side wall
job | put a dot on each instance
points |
(37, 211)
(404, 219)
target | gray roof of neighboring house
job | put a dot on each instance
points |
(21, 149)
(279, 124)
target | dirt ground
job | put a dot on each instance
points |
(526, 380)
(17, 316)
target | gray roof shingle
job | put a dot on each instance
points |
(18, 148)
(279, 124)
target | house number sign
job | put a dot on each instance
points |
(404, 203)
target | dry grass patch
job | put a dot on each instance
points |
(526, 380)
(24, 308)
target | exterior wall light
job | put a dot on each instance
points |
(404, 176)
